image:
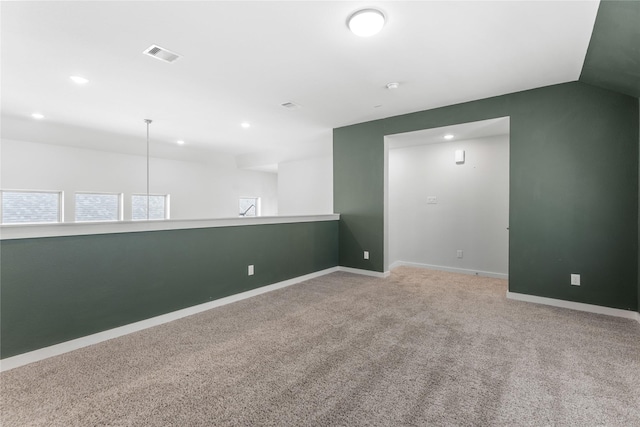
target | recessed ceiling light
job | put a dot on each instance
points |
(448, 136)
(393, 85)
(180, 142)
(366, 22)
(37, 116)
(245, 125)
(79, 80)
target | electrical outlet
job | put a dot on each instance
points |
(459, 253)
(250, 270)
(366, 254)
(575, 279)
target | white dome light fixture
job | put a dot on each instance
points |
(366, 22)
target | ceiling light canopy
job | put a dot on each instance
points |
(180, 142)
(448, 136)
(366, 22)
(79, 80)
(245, 125)
(37, 116)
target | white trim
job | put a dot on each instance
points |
(598, 309)
(364, 272)
(29, 231)
(638, 316)
(65, 347)
(449, 269)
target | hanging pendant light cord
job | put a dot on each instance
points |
(148, 122)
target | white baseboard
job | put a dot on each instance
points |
(67, 346)
(449, 269)
(365, 272)
(598, 309)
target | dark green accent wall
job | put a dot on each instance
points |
(613, 56)
(573, 189)
(358, 173)
(60, 288)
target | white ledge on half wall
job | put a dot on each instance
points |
(590, 308)
(30, 231)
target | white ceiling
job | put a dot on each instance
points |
(460, 132)
(241, 60)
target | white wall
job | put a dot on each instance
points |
(257, 184)
(472, 209)
(305, 186)
(197, 189)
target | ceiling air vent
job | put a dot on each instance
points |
(161, 53)
(290, 105)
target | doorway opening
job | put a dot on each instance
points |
(447, 198)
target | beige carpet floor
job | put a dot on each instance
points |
(420, 348)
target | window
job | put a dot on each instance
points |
(23, 207)
(92, 207)
(158, 206)
(250, 206)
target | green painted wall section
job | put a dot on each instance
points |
(358, 174)
(613, 56)
(573, 189)
(61, 288)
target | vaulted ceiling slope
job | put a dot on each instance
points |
(613, 56)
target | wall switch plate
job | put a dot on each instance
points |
(459, 253)
(432, 200)
(366, 254)
(250, 270)
(575, 279)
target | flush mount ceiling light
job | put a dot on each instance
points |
(393, 85)
(79, 80)
(366, 22)
(448, 136)
(180, 142)
(245, 125)
(37, 116)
